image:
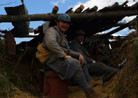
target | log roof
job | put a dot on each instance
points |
(90, 20)
(97, 24)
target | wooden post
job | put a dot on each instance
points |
(10, 45)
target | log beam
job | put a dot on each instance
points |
(74, 16)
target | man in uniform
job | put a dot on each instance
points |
(91, 67)
(62, 59)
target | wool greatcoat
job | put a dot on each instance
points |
(55, 41)
(91, 68)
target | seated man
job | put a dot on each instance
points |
(91, 67)
(62, 59)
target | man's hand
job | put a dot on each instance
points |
(65, 50)
(93, 61)
(81, 59)
(67, 57)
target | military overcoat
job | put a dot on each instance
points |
(56, 42)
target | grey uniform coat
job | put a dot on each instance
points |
(55, 41)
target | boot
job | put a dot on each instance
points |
(92, 94)
(120, 66)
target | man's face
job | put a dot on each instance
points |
(63, 26)
(80, 38)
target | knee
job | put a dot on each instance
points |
(74, 62)
(101, 64)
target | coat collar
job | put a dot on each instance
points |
(58, 30)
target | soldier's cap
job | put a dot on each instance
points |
(64, 17)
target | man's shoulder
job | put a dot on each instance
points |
(74, 42)
(51, 29)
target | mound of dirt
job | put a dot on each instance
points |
(125, 84)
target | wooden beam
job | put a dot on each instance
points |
(121, 27)
(74, 16)
(26, 36)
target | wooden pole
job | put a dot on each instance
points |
(74, 16)
(121, 27)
